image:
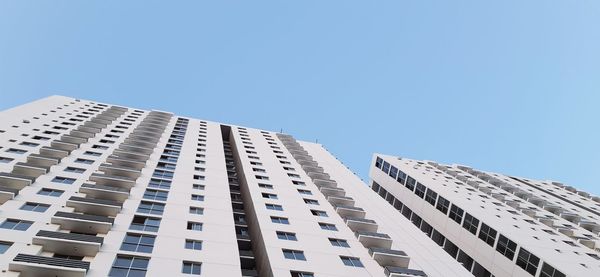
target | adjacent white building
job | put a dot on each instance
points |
(494, 224)
(93, 189)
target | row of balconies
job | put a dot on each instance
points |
(395, 262)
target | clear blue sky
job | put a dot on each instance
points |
(506, 86)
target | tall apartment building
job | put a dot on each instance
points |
(495, 224)
(92, 189)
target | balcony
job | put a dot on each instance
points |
(140, 143)
(295, 152)
(123, 171)
(94, 206)
(95, 125)
(88, 129)
(131, 155)
(7, 194)
(325, 183)
(308, 163)
(387, 257)
(68, 243)
(45, 162)
(15, 181)
(136, 149)
(341, 200)
(32, 266)
(101, 121)
(120, 161)
(349, 211)
(392, 271)
(134, 138)
(361, 224)
(332, 191)
(105, 192)
(82, 222)
(53, 152)
(147, 134)
(72, 139)
(374, 240)
(65, 146)
(29, 170)
(81, 134)
(110, 180)
(312, 169)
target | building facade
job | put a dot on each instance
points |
(494, 224)
(93, 189)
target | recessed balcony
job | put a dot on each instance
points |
(7, 194)
(361, 224)
(105, 192)
(341, 200)
(332, 191)
(387, 257)
(325, 183)
(94, 206)
(349, 211)
(120, 161)
(65, 146)
(123, 171)
(68, 243)
(15, 181)
(35, 266)
(392, 271)
(38, 160)
(374, 240)
(82, 222)
(29, 170)
(53, 152)
(110, 180)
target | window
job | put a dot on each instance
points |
(430, 197)
(196, 210)
(339, 242)
(286, 236)
(265, 186)
(162, 174)
(471, 223)
(378, 162)
(138, 243)
(456, 213)
(311, 201)
(443, 205)
(318, 213)
(351, 261)
(5, 160)
(144, 223)
(192, 268)
(198, 186)
(74, 169)
(269, 195)
(303, 191)
(274, 207)
(527, 261)
(4, 246)
(153, 194)
(386, 167)
(63, 180)
(294, 254)
(29, 144)
(197, 197)
(35, 207)
(487, 234)
(90, 153)
(16, 151)
(327, 226)
(506, 247)
(16, 224)
(302, 274)
(50, 192)
(420, 191)
(547, 271)
(195, 226)
(193, 244)
(158, 183)
(393, 172)
(148, 207)
(411, 183)
(84, 161)
(279, 220)
(129, 266)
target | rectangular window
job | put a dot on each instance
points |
(144, 223)
(303, 191)
(63, 180)
(506, 247)
(138, 243)
(4, 246)
(84, 161)
(193, 244)
(16, 151)
(528, 261)
(549, 271)
(311, 201)
(274, 207)
(198, 186)
(161, 184)
(487, 234)
(456, 214)
(378, 162)
(148, 207)
(91, 153)
(5, 160)
(471, 223)
(385, 167)
(327, 226)
(197, 197)
(420, 191)
(195, 226)
(318, 213)
(443, 205)
(294, 254)
(129, 266)
(286, 236)
(196, 210)
(279, 220)
(16, 224)
(153, 194)
(339, 242)
(430, 197)
(411, 183)
(351, 261)
(265, 186)
(393, 172)
(269, 195)
(35, 207)
(74, 169)
(50, 192)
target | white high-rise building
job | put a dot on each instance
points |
(495, 224)
(92, 189)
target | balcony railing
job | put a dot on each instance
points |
(7, 194)
(83, 222)
(32, 265)
(94, 206)
(68, 243)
